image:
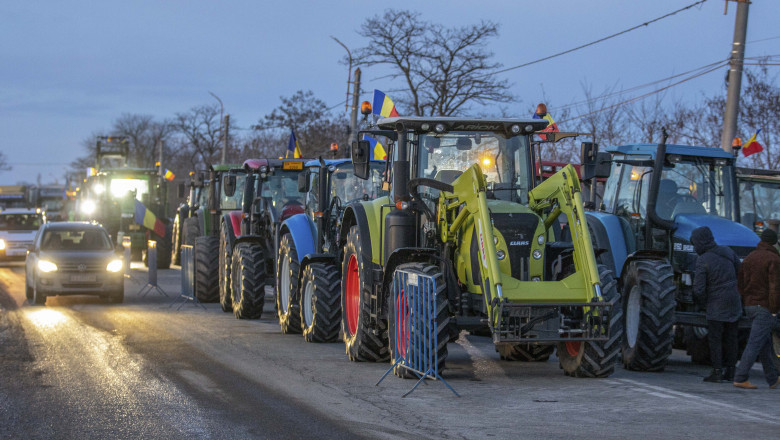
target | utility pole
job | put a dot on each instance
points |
(160, 157)
(225, 137)
(735, 76)
(353, 120)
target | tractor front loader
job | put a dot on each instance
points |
(466, 214)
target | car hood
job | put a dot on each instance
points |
(18, 235)
(76, 257)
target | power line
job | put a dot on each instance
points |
(601, 39)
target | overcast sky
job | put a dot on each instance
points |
(69, 67)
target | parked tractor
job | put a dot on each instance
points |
(249, 237)
(194, 198)
(759, 198)
(308, 277)
(654, 197)
(465, 209)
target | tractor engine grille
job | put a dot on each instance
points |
(518, 230)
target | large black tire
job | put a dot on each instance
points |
(248, 280)
(525, 352)
(364, 341)
(207, 269)
(225, 263)
(28, 288)
(39, 298)
(118, 296)
(164, 245)
(402, 335)
(320, 302)
(597, 358)
(176, 241)
(287, 294)
(648, 308)
(190, 230)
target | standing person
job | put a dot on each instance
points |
(758, 285)
(715, 284)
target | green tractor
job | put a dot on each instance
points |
(759, 198)
(465, 209)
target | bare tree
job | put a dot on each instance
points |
(200, 130)
(760, 109)
(444, 70)
(4, 165)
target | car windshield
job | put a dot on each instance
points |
(503, 161)
(759, 201)
(347, 187)
(235, 201)
(88, 239)
(697, 186)
(20, 222)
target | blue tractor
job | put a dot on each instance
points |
(654, 197)
(308, 279)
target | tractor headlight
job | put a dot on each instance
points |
(540, 240)
(536, 279)
(114, 266)
(500, 254)
(537, 254)
(515, 129)
(88, 207)
(439, 128)
(46, 266)
(99, 188)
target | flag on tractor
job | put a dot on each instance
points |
(168, 175)
(383, 105)
(752, 146)
(377, 149)
(147, 218)
(293, 147)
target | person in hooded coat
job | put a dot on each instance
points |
(715, 286)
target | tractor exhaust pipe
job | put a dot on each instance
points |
(655, 181)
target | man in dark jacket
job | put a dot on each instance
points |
(715, 284)
(759, 282)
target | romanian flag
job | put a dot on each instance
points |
(752, 145)
(383, 105)
(552, 127)
(377, 149)
(293, 147)
(147, 218)
(168, 175)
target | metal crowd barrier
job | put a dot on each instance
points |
(187, 277)
(151, 260)
(416, 338)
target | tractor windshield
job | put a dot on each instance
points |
(280, 188)
(697, 186)
(120, 188)
(348, 188)
(503, 161)
(235, 201)
(759, 201)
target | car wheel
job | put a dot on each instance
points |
(39, 298)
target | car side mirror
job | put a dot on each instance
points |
(181, 190)
(361, 152)
(229, 182)
(303, 181)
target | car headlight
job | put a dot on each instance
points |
(46, 266)
(88, 207)
(2, 244)
(114, 266)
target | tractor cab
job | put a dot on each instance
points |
(759, 198)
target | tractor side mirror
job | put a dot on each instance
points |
(181, 191)
(303, 181)
(229, 183)
(603, 165)
(361, 152)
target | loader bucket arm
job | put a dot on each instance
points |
(561, 194)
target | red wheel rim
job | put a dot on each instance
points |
(352, 293)
(401, 331)
(573, 348)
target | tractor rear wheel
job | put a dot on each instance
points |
(364, 340)
(190, 230)
(596, 358)
(401, 323)
(164, 245)
(287, 295)
(225, 262)
(206, 270)
(648, 307)
(320, 302)
(248, 279)
(525, 352)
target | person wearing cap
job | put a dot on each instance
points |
(715, 286)
(759, 281)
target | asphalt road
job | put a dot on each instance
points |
(78, 368)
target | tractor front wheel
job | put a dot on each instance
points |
(248, 278)
(648, 308)
(596, 358)
(364, 340)
(206, 270)
(320, 303)
(287, 302)
(225, 261)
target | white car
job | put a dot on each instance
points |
(17, 232)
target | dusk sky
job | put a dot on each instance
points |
(70, 68)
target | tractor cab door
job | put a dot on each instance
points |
(630, 201)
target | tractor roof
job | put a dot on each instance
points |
(129, 171)
(316, 162)
(225, 167)
(503, 126)
(255, 164)
(683, 150)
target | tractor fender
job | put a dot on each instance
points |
(231, 232)
(248, 239)
(645, 254)
(355, 214)
(302, 230)
(402, 256)
(232, 221)
(607, 233)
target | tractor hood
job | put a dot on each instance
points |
(726, 232)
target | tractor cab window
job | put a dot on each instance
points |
(696, 186)
(759, 201)
(280, 189)
(312, 197)
(348, 188)
(503, 161)
(610, 188)
(237, 199)
(632, 195)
